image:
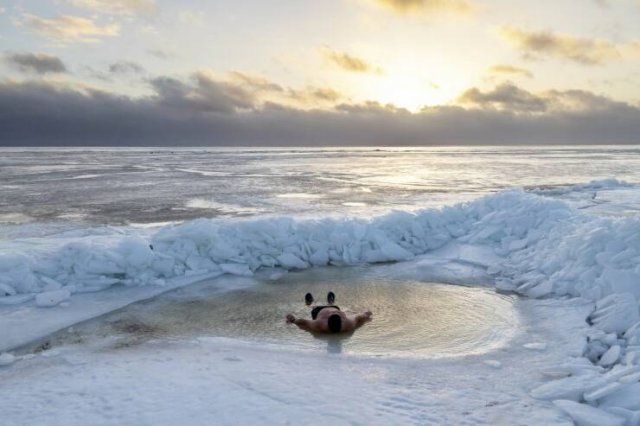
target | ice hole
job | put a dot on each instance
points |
(410, 317)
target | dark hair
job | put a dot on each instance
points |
(335, 323)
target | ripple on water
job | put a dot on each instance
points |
(411, 318)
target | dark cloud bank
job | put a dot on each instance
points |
(206, 112)
(39, 63)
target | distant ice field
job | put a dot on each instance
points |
(514, 271)
(48, 190)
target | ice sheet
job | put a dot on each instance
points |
(538, 243)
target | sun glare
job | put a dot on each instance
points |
(410, 91)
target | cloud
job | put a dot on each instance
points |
(203, 94)
(418, 7)
(428, 6)
(117, 7)
(505, 97)
(371, 108)
(510, 69)
(255, 83)
(237, 91)
(125, 67)
(205, 112)
(585, 51)
(349, 63)
(39, 63)
(68, 28)
(510, 98)
(160, 54)
(325, 94)
(313, 97)
(117, 70)
(265, 91)
(580, 101)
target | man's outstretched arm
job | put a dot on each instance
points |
(362, 318)
(302, 323)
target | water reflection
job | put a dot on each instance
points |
(410, 318)
(333, 341)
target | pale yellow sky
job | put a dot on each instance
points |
(409, 53)
(319, 72)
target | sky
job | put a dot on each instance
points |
(319, 72)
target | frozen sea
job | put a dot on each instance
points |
(149, 286)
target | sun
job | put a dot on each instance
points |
(412, 90)
(413, 81)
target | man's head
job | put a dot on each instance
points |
(335, 323)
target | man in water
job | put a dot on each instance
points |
(328, 318)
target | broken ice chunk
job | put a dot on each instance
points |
(615, 313)
(626, 397)
(6, 359)
(236, 269)
(52, 298)
(572, 388)
(537, 346)
(291, 261)
(611, 356)
(632, 417)
(602, 392)
(586, 415)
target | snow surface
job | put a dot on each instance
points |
(522, 242)
(213, 380)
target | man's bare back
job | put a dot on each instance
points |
(329, 319)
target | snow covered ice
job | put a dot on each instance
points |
(575, 356)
